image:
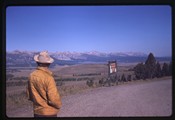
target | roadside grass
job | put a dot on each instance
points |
(16, 100)
(71, 89)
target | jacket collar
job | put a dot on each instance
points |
(45, 70)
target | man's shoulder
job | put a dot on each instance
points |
(40, 73)
(35, 72)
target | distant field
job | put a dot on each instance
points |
(74, 69)
(69, 71)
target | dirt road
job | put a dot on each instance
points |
(140, 99)
(152, 98)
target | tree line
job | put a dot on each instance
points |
(152, 69)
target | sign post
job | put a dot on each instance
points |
(112, 67)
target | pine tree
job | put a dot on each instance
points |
(165, 69)
(150, 65)
(158, 70)
(150, 60)
(139, 71)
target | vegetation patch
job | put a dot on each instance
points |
(16, 100)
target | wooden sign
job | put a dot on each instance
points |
(112, 65)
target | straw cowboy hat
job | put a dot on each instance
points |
(43, 57)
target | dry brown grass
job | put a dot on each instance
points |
(72, 89)
(82, 69)
(68, 71)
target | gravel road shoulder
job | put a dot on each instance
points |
(140, 99)
(150, 98)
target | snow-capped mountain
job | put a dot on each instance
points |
(83, 55)
(25, 58)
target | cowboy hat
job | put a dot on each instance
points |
(43, 57)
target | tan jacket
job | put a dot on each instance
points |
(42, 91)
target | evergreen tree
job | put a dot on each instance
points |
(129, 78)
(150, 65)
(150, 60)
(139, 71)
(165, 69)
(158, 70)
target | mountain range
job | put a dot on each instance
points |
(19, 58)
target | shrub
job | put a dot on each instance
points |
(17, 99)
(123, 78)
(165, 69)
(19, 83)
(158, 70)
(59, 83)
(66, 79)
(101, 82)
(129, 78)
(20, 78)
(113, 79)
(139, 71)
(9, 76)
(90, 83)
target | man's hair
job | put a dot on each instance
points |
(43, 64)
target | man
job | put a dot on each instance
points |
(42, 90)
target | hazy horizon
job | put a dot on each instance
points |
(134, 52)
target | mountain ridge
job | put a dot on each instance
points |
(25, 58)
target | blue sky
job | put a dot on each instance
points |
(90, 28)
